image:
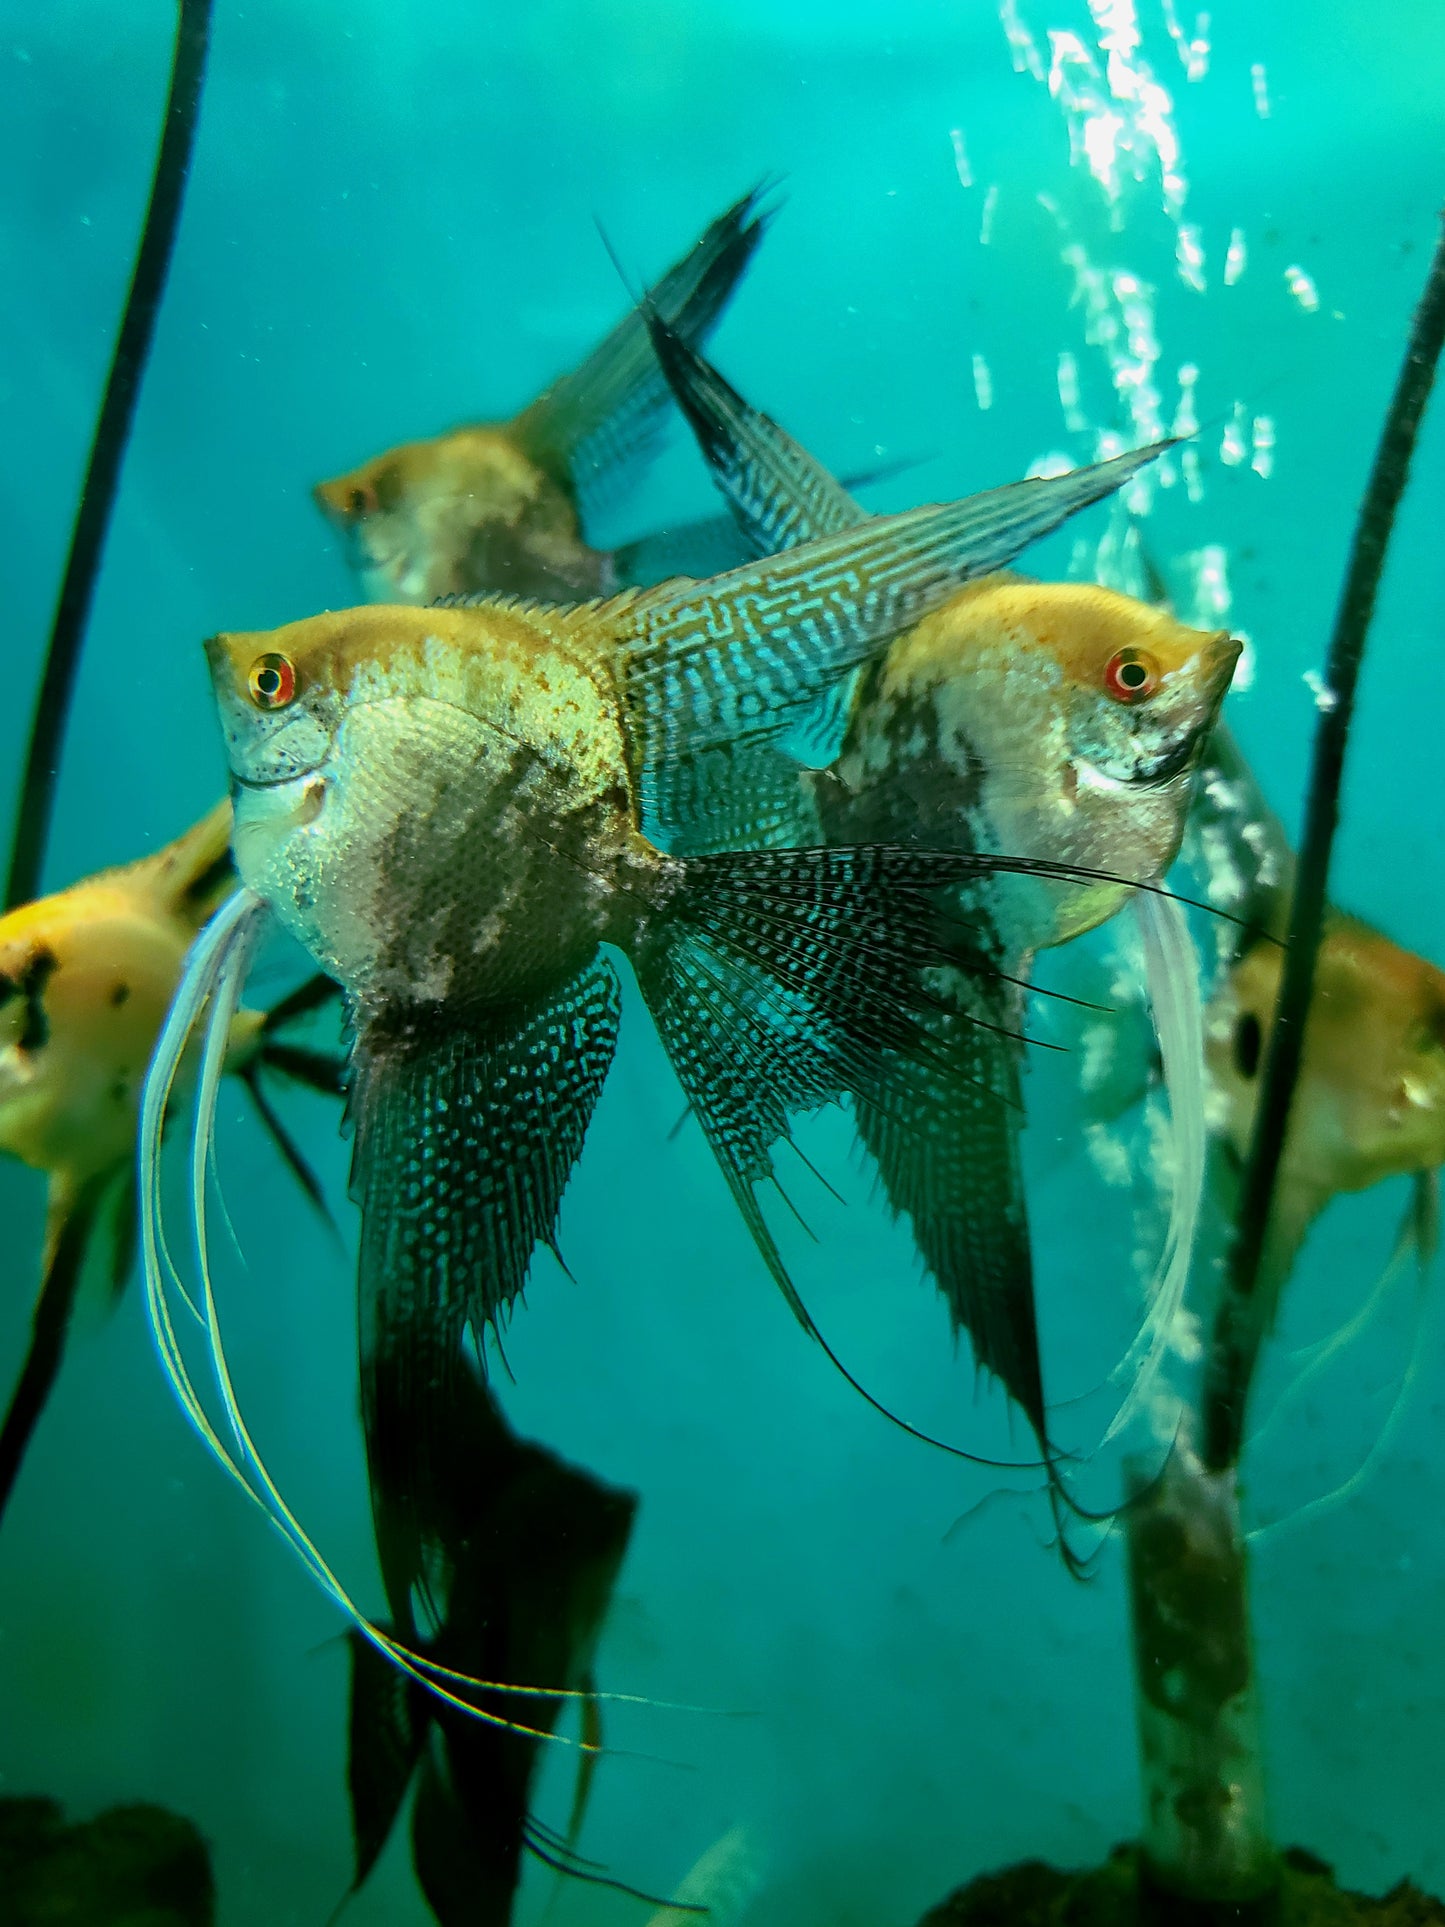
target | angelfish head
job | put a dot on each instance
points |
(433, 518)
(1370, 1102)
(282, 698)
(1143, 689)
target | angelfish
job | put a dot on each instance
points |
(1057, 720)
(443, 806)
(502, 507)
(86, 976)
(1370, 1100)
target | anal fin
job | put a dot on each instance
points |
(465, 1141)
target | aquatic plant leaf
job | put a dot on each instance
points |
(74, 1223)
(464, 1144)
(943, 1129)
(386, 1729)
(593, 424)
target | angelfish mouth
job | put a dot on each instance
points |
(1173, 763)
(275, 782)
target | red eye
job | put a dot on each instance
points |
(1131, 675)
(272, 682)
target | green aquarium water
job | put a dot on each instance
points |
(850, 1672)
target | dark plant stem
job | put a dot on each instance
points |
(1242, 1317)
(112, 432)
(49, 1323)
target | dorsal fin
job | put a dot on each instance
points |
(779, 495)
(593, 424)
(698, 665)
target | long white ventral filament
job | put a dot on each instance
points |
(209, 992)
(1171, 969)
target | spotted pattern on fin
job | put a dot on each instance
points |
(465, 1142)
(699, 664)
(778, 981)
(943, 1130)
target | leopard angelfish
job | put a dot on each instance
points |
(1043, 720)
(445, 806)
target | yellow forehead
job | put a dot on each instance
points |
(468, 461)
(327, 650)
(1076, 625)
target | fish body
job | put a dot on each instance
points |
(501, 507)
(448, 781)
(1370, 1100)
(999, 723)
(86, 977)
(447, 807)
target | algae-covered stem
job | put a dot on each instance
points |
(112, 431)
(1242, 1317)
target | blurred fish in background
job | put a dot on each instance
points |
(503, 507)
(86, 977)
(523, 1554)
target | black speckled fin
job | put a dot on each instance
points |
(781, 980)
(943, 1129)
(528, 1551)
(594, 424)
(464, 1144)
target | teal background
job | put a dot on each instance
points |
(390, 229)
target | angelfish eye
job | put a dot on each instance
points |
(272, 682)
(1131, 675)
(361, 501)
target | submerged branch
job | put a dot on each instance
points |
(112, 432)
(1243, 1315)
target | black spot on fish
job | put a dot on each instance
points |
(1247, 1041)
(35, 1034)
(119, 995)
(205, 885)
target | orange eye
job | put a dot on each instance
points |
(1131, 675)
(272, 682)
